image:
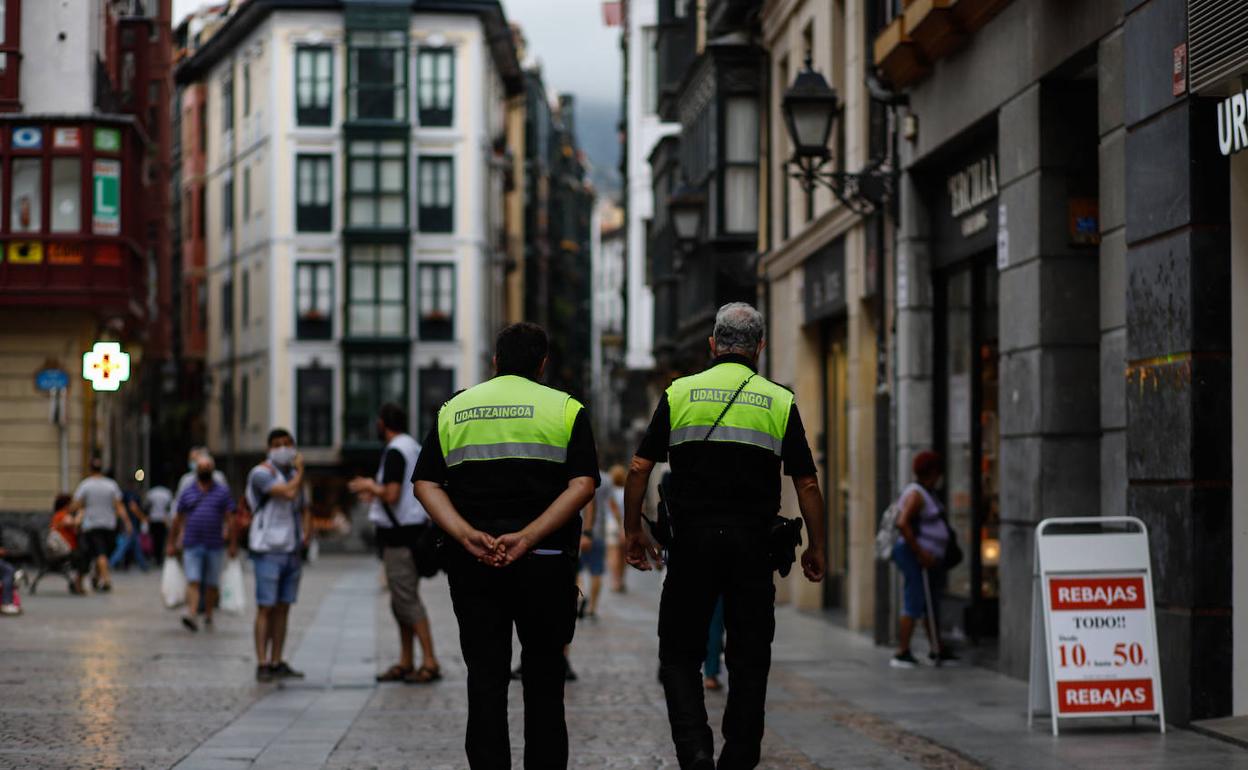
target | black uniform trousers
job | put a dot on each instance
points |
(705, 563)
(538, 595)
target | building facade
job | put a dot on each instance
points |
(1065, 315)
(84, 99)
(710, 72)
(609, 376)
(355, 237)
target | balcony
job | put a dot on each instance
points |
(925, 31)
(933, 27)
(898, 56)
(73, 271)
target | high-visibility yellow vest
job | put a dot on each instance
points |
(759, 416)
(507, 418)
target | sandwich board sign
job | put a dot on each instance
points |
(1094, 629)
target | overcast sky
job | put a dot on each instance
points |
(578, 52)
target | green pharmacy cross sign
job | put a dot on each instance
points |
(106, 366)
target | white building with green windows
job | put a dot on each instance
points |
(354, 220)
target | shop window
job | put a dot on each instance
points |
(246, 194)
(437, 301)
(372, 379)
(244, 402)
(436, 194)
(436, 87)
(313, 193)
(377, 183)
(227, 307)
(245, 290)
(436, 385)
(314, 395)
(377, 291)
(314, 85)
(740, 204)
(66, 195)
(26, 209)
(377, 86)
(227, 103)
(314, 300)
(227, 205)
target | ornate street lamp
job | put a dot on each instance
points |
(811, 108)
(685, 207)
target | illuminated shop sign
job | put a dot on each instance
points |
(106, 366)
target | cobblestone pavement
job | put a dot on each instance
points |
(112, 681)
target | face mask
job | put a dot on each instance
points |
(204, 476)
(282, 455)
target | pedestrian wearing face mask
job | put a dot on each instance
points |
(280, 525)
(188, 478)
(204, 513)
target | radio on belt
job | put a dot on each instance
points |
(1092, 615)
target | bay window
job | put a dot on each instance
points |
(377, 291)
(373, 377)
(26, 207)
(740, 187)
(66, 195)
(377, 183)
(377, 83)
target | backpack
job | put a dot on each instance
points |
(243, 512)
(886, 535)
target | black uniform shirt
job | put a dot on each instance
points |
(710, 476)
(501, 496)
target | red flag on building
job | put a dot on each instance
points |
(612, 12)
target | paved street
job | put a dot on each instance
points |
(114, 682)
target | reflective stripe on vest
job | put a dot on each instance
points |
(760, 415)
(507, 418)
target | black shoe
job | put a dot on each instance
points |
(189, 623)
(284, 671)
(264, 673)
(945, 658)
(903, 660)
(568, 674)
(702, 762)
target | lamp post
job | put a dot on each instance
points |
(811, 108)
(685, 207)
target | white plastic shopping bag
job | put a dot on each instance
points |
(233, 600)
(172, 583)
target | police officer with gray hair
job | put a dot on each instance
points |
(727, 432)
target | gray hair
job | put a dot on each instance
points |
(738, 329)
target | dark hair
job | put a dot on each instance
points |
(97, 465)
(393, 416)
(520, 349)
(279, 433)
(61, 502)
(926, 463)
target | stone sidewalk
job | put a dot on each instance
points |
(113, 682)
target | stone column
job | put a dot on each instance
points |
(1049, 337)
(1178, 376)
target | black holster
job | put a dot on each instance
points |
(783, 539)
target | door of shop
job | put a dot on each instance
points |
(835, 450)
(966, 418)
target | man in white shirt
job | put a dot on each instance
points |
(158, 502)
(400, 520)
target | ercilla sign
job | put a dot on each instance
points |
(1233, 123)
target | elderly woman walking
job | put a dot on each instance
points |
(925, 537)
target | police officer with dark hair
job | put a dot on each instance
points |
(504, 473)
(726, 433)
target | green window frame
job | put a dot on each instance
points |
(377, 76)
(435, 86)
(377, 183)
(435, 286)
(372, 376)
(314, 406)
(376, 291)
(314, 85)
(436, 193)
(314, 192)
